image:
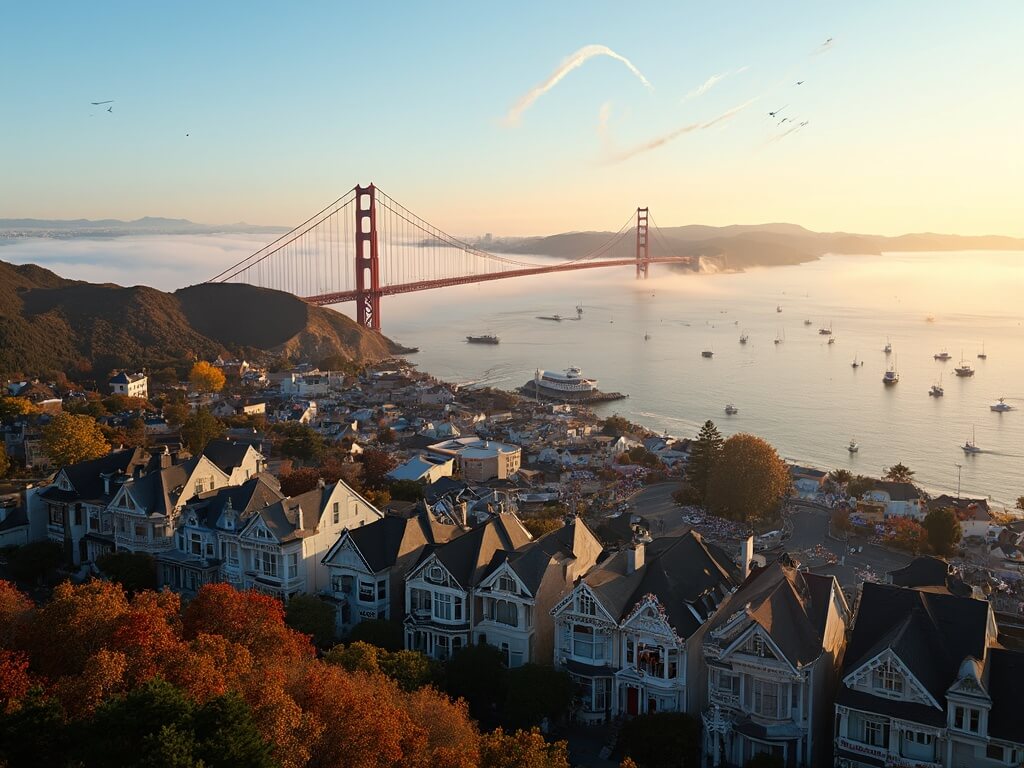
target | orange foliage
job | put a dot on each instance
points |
(450, 738)
(15, 681)
(15, 608)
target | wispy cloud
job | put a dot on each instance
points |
(664, 139)
(574, 61)
(784, 134)
(603, 117)
(711, 82)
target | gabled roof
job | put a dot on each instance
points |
(932, 633)
(791, 606)
(468, 556)
(86, 477)
(683, 572)
(897, 491)
(254, 494)
(226, 454)
(160, 491)
(927, 571)
(384, 541)
(531, 562)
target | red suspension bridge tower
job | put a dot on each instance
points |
(642, 259)
(367, 259)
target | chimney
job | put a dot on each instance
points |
(462, 513)
(747, 555)
(165, 458)
(635, 556)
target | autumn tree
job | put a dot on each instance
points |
(376, 465)
(748, 481)
(299, 481)
(176, 413)
(5, 462)
(301, 441)
(312, 616)
(206, 378)
(70, 438)
(522, 749)
(11, 407)
(899, 473)
(199, 429)
(908, 534)
(705, 452)
(944, 531)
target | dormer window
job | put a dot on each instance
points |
(888, 679)
(435, 574)
(507, 584)
(967, 719)
(586, 604)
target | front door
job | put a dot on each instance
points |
(632, 702)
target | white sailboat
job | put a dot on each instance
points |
(971, 446)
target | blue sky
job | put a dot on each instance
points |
(915, 115)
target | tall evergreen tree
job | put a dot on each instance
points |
(704, 452)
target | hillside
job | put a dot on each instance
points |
(48, 323)
(741, 246)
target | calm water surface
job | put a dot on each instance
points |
(802, 395)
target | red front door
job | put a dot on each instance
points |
(632, 702)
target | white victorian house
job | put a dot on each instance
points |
(629, 634)
(772, 655)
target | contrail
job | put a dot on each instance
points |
(783, 135)
(602, 122)
(711, 82)
(647, 146)
(575, 60)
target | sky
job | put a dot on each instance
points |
(264, 112)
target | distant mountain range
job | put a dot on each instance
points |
(49, 323)
(149, 225)
(741, 246)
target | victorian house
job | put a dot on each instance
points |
(630, 632)
(926, 684)
(772, 656)
(439, 590)
(368, 564)
(281, 546)
(72, 510)
(238, 458)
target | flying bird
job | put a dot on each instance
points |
(110, 109)
(783, 120)
(777, 111)
(799, 82)
(97, 103)
(828, 41)
(805, 122)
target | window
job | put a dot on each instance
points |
(293, 565)
(78, 514)
(443, 606)
(267, 563)
(876, 733)
(507, 584)
(673, 663)
(419, 599)
(586, 604)
(967, 719)
(888, 679)
(382, 589)
(630, 650)
(728, 683)
(200, 486)
(335, 514)
(766, 698)
(586, 644)
(57, 516)
(650, 659)
(994, 752)
(94, 521)
(209, 547)
(506, 612)
(441, 647)
(195, 544)
(435, 574)
(365, 591)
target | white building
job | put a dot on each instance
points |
(630, 632)
(480, 460)
(772, 655)
(130, 384)
(900, 499)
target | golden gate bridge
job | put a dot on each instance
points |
(365, 246)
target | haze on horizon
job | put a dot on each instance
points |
(912, 123)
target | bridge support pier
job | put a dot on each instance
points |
(367, 265)
(642, 256)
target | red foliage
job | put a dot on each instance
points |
(15, 611)
(299, 481)
(15, 680)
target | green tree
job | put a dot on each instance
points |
(899, 473)
(303, 442)
(406, 490)
(199, 429)
(840, 476)
(616, 426)
(135, 571)
(312, 616)
(355, 657)
(70, 438)
(536, 692)
(944, 531)
(35, 734)
(175, 413)
(35, 561)
(477, 674)
(205, 377)
(859, 485)
(538, 526)
(662, 740)
(410, 669)
(640, 456)
(705, 452)
(748, 480)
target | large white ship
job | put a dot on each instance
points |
(571, 381)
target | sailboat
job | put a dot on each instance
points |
(937, 390)
(744, 338)
(964, 369)
(982, 355)
(971, 446)
(647, 336)
(888, 346)
(891, 376)
(856, 364)
(853, 447)
(779, 339)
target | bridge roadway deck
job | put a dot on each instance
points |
(445, 282)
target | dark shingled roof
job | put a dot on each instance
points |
(931, 633)
(792, 607)
(897, 491)
(928, 571)
(382, 542)
(226, 454)
(531, 562)
(681, 571)
(467, 557)
(159, 491)
(254, 494)
(1005, 682)
(86, 477)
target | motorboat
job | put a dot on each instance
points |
(808, 322)
(707, 353)
(936, 391)
(779, 338)
(982, 355)
(943, 356)
(1001, 406)
(888, 346)
(831, 339)
(744, 338)
(487, 338)
(556, 318)
(731, 409)
(971, 446)
(853, 447)
(964, 369)
(891, 376)
(826, 331)
(778, 308)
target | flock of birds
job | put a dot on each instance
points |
(796, 124)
